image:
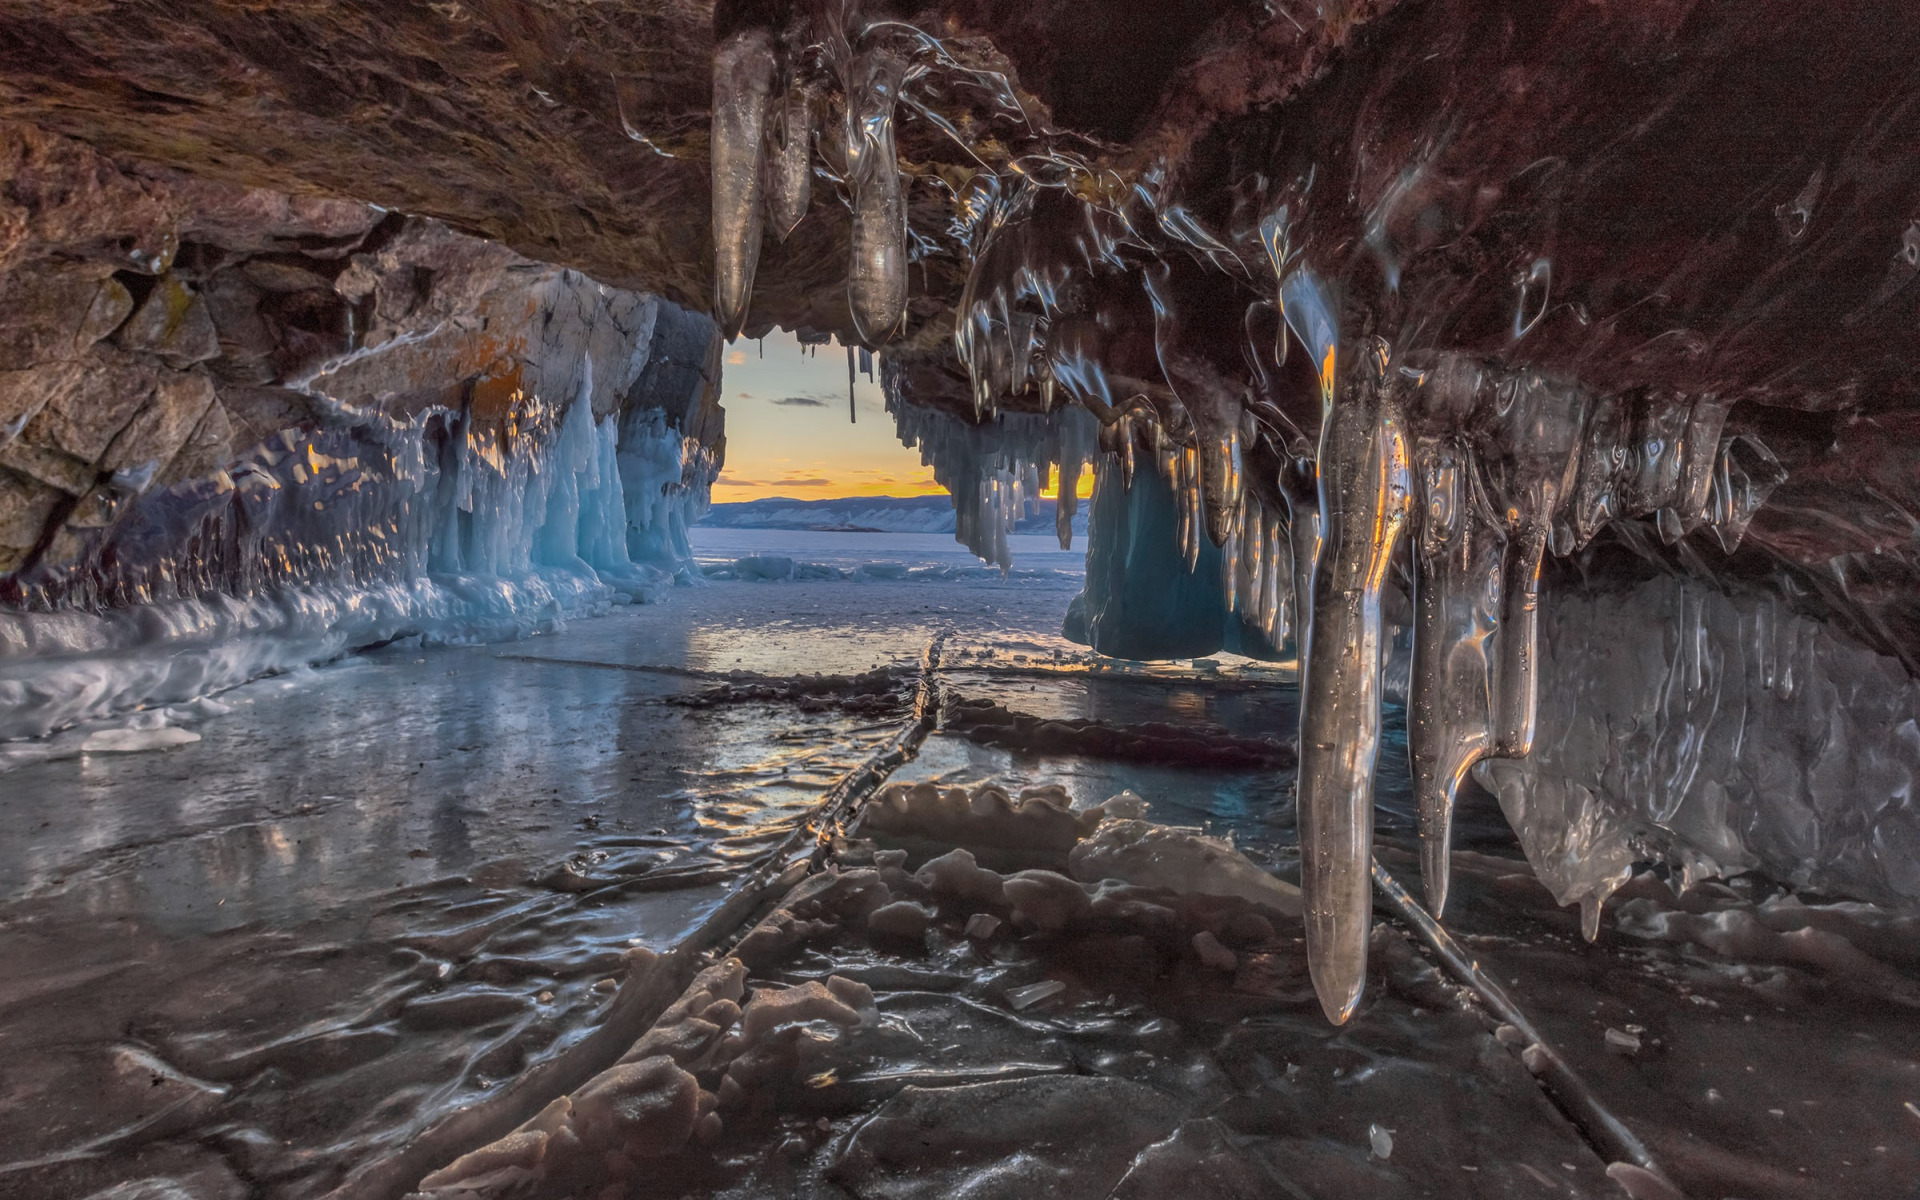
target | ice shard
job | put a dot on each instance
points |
(1365, 495)
(743, 69)
(877, 272)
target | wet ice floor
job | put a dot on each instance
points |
(374, 891)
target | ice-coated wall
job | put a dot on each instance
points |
(561, 481)
(1142, 600)
(1718, 731)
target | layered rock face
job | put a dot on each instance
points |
(309, 424)
(1508, 323)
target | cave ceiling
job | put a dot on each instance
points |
(1660, 201)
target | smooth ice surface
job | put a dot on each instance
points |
(373, 890)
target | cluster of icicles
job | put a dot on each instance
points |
(764, 112)
(996, 471)
(1473, 471)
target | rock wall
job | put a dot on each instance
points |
(240, 430)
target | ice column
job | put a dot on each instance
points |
(742, 79)
(1365, 497)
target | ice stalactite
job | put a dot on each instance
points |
(877, 271)
(1457, 555)
(995, 471)
(789, 163)
(743, 71)
(1366, 497)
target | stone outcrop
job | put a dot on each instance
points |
(155, 327)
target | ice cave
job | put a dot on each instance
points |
(1313, 599)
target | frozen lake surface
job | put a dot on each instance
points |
(375, 891)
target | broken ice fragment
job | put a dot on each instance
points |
(981, 926)
(1033, 993)
(742, 78)
(1380, 1142)
(1365, 492)
(1621, 1041)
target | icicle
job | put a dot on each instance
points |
(1221, 479)
(742, 78)
(789, 166)
(1191, 502)
(877, 274)
(1299, 483)
(1456, 611)
(1516, 695)
(1066, 500)
(1253, 548)
(853, 409)
(1365, 494)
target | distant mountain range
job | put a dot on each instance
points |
(866, 514)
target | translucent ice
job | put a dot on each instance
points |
(789, 165)
(877, 272)
(743, 68)
(1456, 609)
(1365, 489)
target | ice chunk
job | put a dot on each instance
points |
(1039, 820)
(743, 68)
(1365, 500)
(1049, 900)
(1379, 1142)
(956, 874)
(1180, 860)
(981, 926)
(1212, 953)
(1022, 998)
(901, 919)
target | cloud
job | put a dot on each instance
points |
(801, 401)
(737, 358)
(805, 483)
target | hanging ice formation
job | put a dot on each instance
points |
(743, 72)
(1305, 478)
(996, 471)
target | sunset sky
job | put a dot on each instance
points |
(787, 430)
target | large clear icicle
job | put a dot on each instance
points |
(1457, 598)
(877, 272)
(1365, 491)
(789, 165)
(743, 69)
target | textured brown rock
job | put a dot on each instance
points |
(172, 325)
(154, 326)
